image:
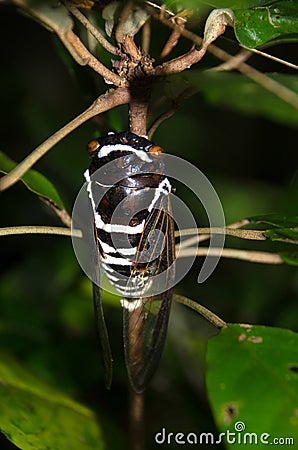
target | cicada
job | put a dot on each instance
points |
(134, 239)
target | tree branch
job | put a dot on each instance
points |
(146, 36)
(61, 213)
(136, 410)
(138, 106)
(172, 109)
(263, 80)
(174, 37)
(245, 255)
(124, 15)
(181, 63)
(256, 235)
(209, 315)
(110, 99)
(138, 110)
(273, 58)
(91, 28)
(203, 234)
(127, 42)
(35, 229)
(84, 57)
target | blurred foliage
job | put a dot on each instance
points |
(257, 26)
(218, 3)
(34, 181)
(28, 409)
(240, 136)
(239, 93)
(254, 368)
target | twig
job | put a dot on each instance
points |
(240, 223)
(173, 38)
(146, 36)
(268, 83)
(179, 64)
(136, 419)
(245, 255)
(231, 230)
(160, 119)
(256, 235)
(124, 15)
(263, 80)
(273, 58)
(61, 213)
(163, 10)
(91, 28)
(84, 57)
(193, 241)
(35, 229)
(233, 63)
(209, 315)
(203, 237)
(110, 99)
(140, 86)
(70, 40)
(173, 108)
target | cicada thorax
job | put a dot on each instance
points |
(134, 233)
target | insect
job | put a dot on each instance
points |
(134, 236)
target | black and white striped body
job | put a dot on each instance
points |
(119, 235)
(134, 233)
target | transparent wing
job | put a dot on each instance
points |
(106, 354)
(105, 349)
(146, 318)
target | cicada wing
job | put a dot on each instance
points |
(145, 329)
(105, 349)
(106, 353)
(146, 317)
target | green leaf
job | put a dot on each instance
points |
(35, 181)
(289, 258)
(276, 220)
(241, 94)
(35, 416)
(252, 378)
(255, 27)
(235, 4)
(282, 233)
(239, 4)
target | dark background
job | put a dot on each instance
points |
(46, 317)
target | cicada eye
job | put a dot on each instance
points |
(156, 149)
(92, 146)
